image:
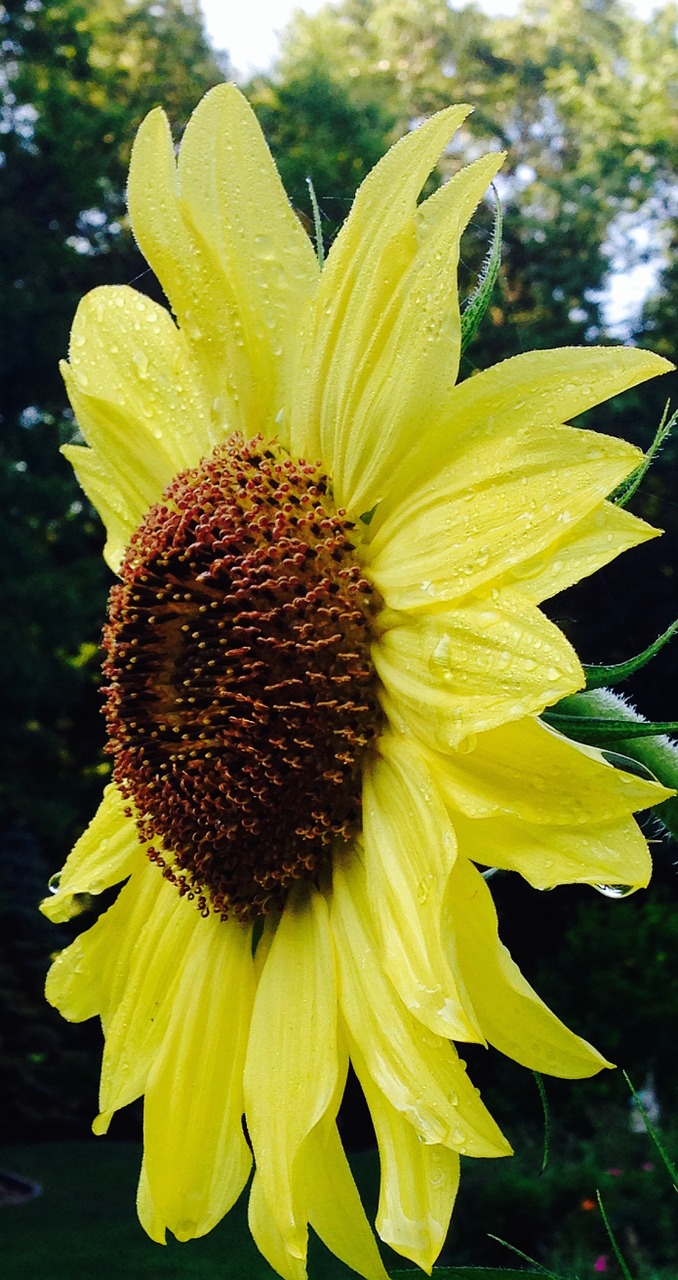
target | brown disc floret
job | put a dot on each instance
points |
(241, 696)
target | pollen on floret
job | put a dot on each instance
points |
(240, 693)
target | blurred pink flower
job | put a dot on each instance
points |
(600, 1263)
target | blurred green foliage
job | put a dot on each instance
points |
(583, 96)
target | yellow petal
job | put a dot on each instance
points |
(118, 502)
(267, 1236)
(136, 391)
(106, 853)
(612, 853)
(511, 1014)
(418, 1071)
(528, 770)
(479, 665)
(89, 977)
(532, 391)
(196, 1157)
(236, 264)
(409, 359)
(371, 254)
(503, 497)
(292, 1058)
(591, 543)
(410, 850)
(147, 977)
(335, 1209)
(419, 1181)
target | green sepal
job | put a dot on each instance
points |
(597, 731)
(628, 487)
(601, 718)
(599, 677)
(476, 305)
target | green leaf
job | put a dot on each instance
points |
(547, 1121)
(626, 490)
(319, 246)
(670, 1166)
(613, 1239)
(598, 677)
(476, 305)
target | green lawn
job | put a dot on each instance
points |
(84, 1225)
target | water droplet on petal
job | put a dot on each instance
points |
(54, 882)
(615, 890)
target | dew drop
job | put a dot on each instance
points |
(615, 890)
(54, 882)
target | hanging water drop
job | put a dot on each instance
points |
(615, 890)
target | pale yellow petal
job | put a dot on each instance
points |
(266, 1233)
(410, 356)
(147, 977)
(196, 1158)
(136, 390)
(292, 1058)
(410, 850)
(236, 264)
(593, 542)
(89, 976)
(462, 671)
(373, 251)
(106, 853)
(335, 1210)
(532, 391)
(503, 497)
(611, 853)
(117, 502)
(419, 1181)
(511, 1014)
(528, 770)
(419, 1072)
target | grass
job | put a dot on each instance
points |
(84, 1225)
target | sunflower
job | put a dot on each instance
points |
(325, 665)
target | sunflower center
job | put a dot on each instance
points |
(241, 696)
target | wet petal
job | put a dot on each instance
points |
(410, 850)
(528, 393)
(419, 1072)
(266, 1233)
(503, 498)
(106, 853)
(591, 543)
(292, 1057)
(136, 392)
(612, 853)
(196, 1157)
(466, 670)
(511, 1014)
(335, 1209)
(118, 502)
(410, 355)
(145, 980)
(365, 268)
(528, 770)
(235, 262)
(89, 976)
(418, 1184)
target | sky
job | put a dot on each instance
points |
(248, 29)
